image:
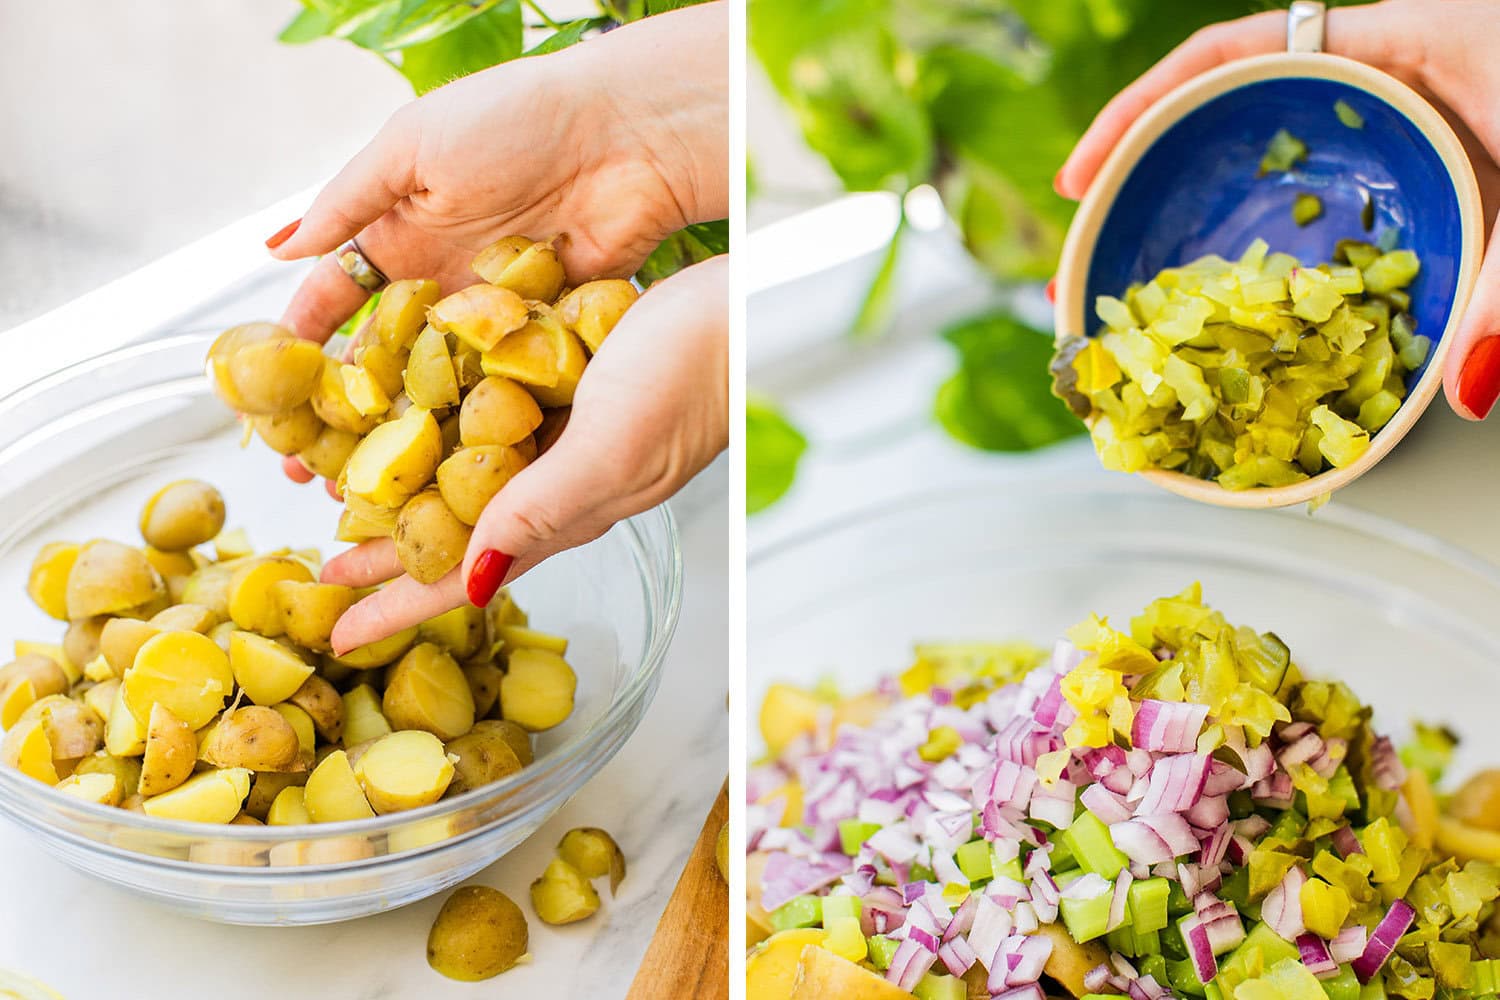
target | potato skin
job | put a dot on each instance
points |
(253, 737)
(181, 515)
(471, 477)
(110, 578)
(427, 690)
(562, 895)
(401, 312)
(329, 452)
(498, 411)
(483, 756)
(289, 431)
(430, 539)
(479, 933)
(594, 307)
(271, 376)
(171, 753)
(81, 643)
(47, 583)
(321, 700)
(310, 610)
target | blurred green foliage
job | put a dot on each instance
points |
(773, 449)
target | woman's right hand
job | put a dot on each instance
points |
(1446, 49)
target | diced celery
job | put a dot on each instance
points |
(1148, 904)
(1287, 979)
(1347, 115)
(934, 986)
(881, 948)
(1307, 208)
(1236, 888)
(1086, 919)
(1373, 990)
(1183, 977)
(802, 911)
(853, 833)
(1261, 949)
(1089, 843)
(1282, 153)
(1011, 867)
(1178, 902)
(973, 860)
(1211, 991)
(1154, 966)
(1343, 986)
(841, 906)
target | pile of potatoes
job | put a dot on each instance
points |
(197, 686)
(444, 399)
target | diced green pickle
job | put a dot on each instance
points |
(1306, 208)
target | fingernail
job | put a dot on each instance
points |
(282, 235)
(1052, 290)
(487, 575)
(1479, 378)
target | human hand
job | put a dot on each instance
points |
(651, 411)
(1445, 49)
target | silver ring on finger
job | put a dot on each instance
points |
(354, 263)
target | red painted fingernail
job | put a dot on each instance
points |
(282, 235)
(487, 575)
(1479, 379)
(1052, 290)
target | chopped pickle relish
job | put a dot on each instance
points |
(1255, 372)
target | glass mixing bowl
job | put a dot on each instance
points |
(1408, 621)
(81, 450)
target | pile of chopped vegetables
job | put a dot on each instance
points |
(1173, 810)
(1256, 372)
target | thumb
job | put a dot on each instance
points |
(1471, 375)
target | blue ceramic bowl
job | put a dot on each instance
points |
(1183, 183)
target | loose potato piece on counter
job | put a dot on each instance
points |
(363, 392)
(363, 719)
(395, 460)
(109, 578)
(333, 405)
(404, 770)
(310, 610)
(521, 637)
(562, 895)
(402, 312)
(26, 749)
(430, 379)
(267, 786)
(332, 792)
(171, 753)
(320, 700)
(73, 729)
(537, 692)
(483, 756)
(497, 411)
(98, 787)
(484, 684)
(48, 582)
(289, 808)
(531, 270)
(469, 479)
(290, 431)
(430, 539)
(121, 639)
(460, 632)
(186, 617)
(594, 853)
(426, 690)
(480, 315)
(182, 514)
(478, 933)
(518, 738)
(594, 307)
(251, 605)
(265, 670)
(329, 453)
(253, 737)
(210, 797)
(384, 365)
(26, 679)
(272, 376)
(124, 734)
(185, 671)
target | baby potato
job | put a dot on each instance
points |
(227, 346)
(73, 729)
(363, 719)
(479, 933)
(395, 460)
(521, 637)
(251, 605)
(562, 895)
(531, 270)
(484, 684)
(253, 737)
(468, 369)
(1477, 800)
(26, 749)
(185, 671)
(356, 529)
(482, 756)
(271, 376)
(265, 670)
(430, 379)
(332, 792)
(333, 405)
(92, 787)
(310, 610)
(537, 691)
(461, 632)
(404, 770)
(186, 617)
(209, 587)
(182, 514)
(430, 540)
(109, 578)
(122, 638)
(57, 654)
(384, 365)
(480, 315)
(267, 786)
(518, 738)
(289, 431)
(124, 734)
(402, 311)
(320, 700)
(594, 307)
(379, 653)
(470, 478)
(174, 567)
(26, 679)
(209, 797)
(594, 853)
(171, 753)
(426, 690)
(233, 546)
(47, 583)
(302, 725)
(545, 355)
(497, 411)
(101, 697)
(81, 642)
(527, 445)
(126, 772)
(329, 453)
(363, 392)
(289, 808)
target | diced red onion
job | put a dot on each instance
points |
(1030, 992)
(1200, 948)
(1209, 812)
(1282, 908)
(1345, 842)
(1095, 979)
(1139, 842)
(1054, 805)
(1275, 790)
(1089, 886)
(1383, 940)
(1222, 779)
(1030, 956)
(992, 925)
(786, 877)
(963, 917)
(1316, 957)
(1108, 807)
(924, 938)
(957, 956)
(1389, 772)
(1349, 944)
(1175, 784)
(1167, 726)
(1120, 898)
(1224, 933)
(1216, 846)
(909, 963)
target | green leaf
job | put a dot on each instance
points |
(404, 23)
(309, 25)
(662, 6)
(571, 34)
(875, 312)
(1000, 399)
(685, 248)
(773, 447)
(480, 42)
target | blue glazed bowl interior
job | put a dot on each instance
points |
(1195, 192)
